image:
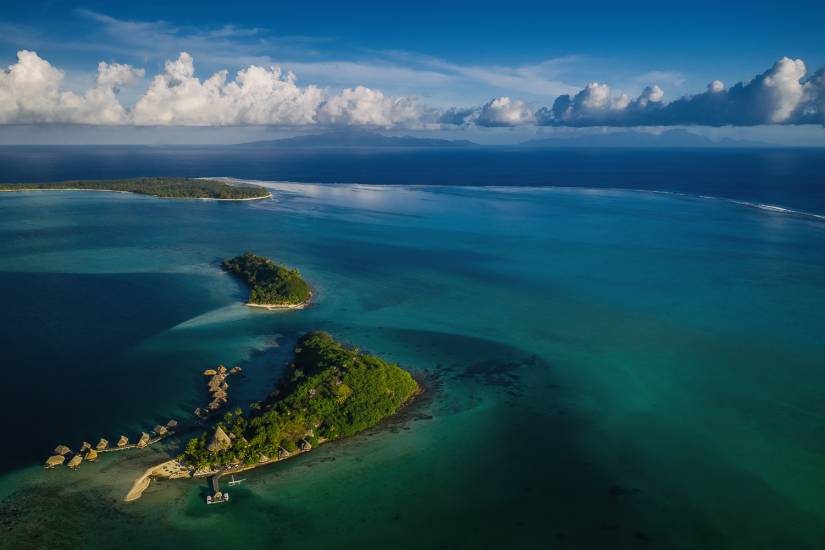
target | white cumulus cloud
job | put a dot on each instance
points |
(30, 93)
(504, 111)
(362, 106)
(780, 95)
(595, 104)
(781, 89)
(256, 96)
(813, 104)
(716, 86)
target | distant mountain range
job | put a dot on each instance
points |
(676, 137)
(357, 138)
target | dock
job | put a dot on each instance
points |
(217, 496)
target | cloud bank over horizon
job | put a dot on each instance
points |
(784, 94)
(32, 93)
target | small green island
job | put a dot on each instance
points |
(330, 391)
(271, 286)
(161, 187)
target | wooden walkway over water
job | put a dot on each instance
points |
(217, 496)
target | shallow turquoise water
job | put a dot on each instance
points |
(604, 368)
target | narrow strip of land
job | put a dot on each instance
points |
(161, 187)
(142, 482)
(171, 469)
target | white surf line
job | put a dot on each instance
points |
(273, 184)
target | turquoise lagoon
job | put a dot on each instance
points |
(603, 368)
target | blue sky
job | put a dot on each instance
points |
(453, 60)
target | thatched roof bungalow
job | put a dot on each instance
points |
(143, 441)
(55, 460)
(62, 450)
(74, 463)
(102, 444)
(219, 441)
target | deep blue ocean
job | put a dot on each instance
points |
(791, 178)
(606, 366)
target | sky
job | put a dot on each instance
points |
(492, 72)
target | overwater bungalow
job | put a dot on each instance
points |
(74, 463)
(143, 441)
(172, 424)
(160, 430)
(102, 444)
(91, 455)
(62, 450)
(55, 460)
(123, 441)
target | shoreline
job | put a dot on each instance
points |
(272, 307)
(27, 190)
(142, 483)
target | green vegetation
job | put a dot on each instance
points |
(269, 283)
(165, 187)
(330, 391)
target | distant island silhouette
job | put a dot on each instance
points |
(357, 138)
